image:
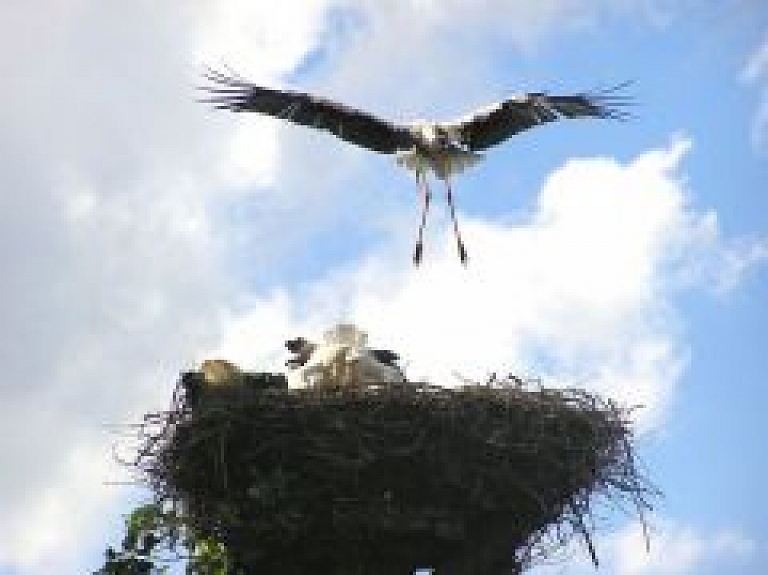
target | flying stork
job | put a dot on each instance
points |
(444, 148)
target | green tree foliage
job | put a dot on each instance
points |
(155, 538)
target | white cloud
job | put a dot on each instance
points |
(755, 72)
(718, 264)
(115, 234)
(732, 543)
(261, 41)
(582, 293)
(114, 260)
(432, 47)
(678, 549)
(673, 548)
(673, 551)
(757, 63)
(47, 527)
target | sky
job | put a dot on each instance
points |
(142, 232)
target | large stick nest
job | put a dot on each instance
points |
(475, 480)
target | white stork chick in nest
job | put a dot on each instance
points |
(443, 148)
(341, 360)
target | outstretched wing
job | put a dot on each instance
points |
(230, 92)
(496, 123)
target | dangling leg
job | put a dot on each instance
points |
(456, 233)
(423, 186)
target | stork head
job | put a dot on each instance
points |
(296, 345)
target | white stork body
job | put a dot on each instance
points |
(341, 360)
(443, 148)
(440, 151)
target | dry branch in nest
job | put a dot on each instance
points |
(475, 480)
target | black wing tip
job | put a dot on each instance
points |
(612, 102)
(605, 103)
(234, 102)
(226, 90)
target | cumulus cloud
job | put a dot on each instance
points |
(377, 49)
(262, 41)
(125, 205)
(678, 549)
(674, 548)
(582, 293)
(410, 42)
(113, 252)
(48, 529)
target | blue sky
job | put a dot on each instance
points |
(142, 232)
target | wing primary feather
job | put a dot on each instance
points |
(615, 88)
(229, 91)
(494, 124)
(611, 102)
(232, 78)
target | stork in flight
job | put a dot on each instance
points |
(445, 148)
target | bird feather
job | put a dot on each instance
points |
(230, 92)
(494, 124)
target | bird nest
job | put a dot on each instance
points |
(473, 480)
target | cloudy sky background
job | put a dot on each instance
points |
(141, 232)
